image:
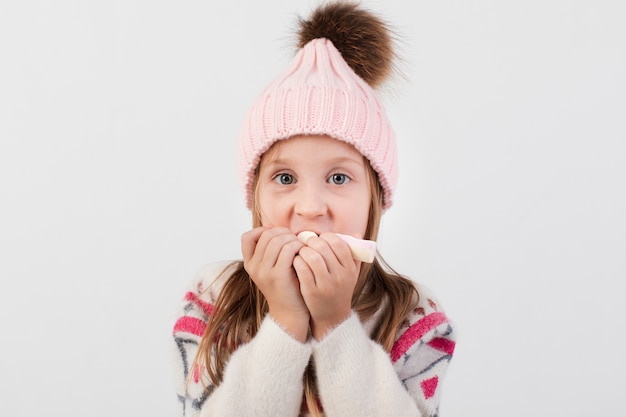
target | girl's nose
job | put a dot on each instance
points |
(310, 202)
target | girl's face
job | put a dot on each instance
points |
(314, 183)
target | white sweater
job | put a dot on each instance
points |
(355, 376)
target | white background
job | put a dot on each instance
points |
(118, 182)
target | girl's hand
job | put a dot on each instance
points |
(327, 275)
(268, 255)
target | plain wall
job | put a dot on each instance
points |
(118, 181)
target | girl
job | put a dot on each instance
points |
(301, 328)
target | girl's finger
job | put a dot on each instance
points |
(304, 273)
(340, 250)
(288, 251)
(249, 241)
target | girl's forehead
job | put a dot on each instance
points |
(305, 147)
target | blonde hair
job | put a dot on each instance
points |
(241, 307)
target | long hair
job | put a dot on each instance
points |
(241, 307)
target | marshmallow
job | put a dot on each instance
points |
(304, 236)
(362, 250)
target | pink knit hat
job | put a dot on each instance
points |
(319, 94)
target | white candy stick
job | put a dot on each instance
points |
(362, 250)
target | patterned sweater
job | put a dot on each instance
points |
(355, 376)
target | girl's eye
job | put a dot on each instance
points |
(339, 179)
(284, 179)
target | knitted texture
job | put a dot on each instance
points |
(319, 94)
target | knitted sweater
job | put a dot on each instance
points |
(355, 376)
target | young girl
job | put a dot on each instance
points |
(299, 327)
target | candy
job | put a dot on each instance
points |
(362, 250)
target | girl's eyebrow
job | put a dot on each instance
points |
(345, 159)
(331, 161)
(277, 161)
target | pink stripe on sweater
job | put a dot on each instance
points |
(191, 325)
(206, 307)
(443, 344)
(416, 332)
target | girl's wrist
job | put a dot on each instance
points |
(296, 326)
(320, 328)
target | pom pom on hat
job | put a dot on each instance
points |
(362, 39)
(328, 91)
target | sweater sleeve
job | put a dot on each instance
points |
(262, 377)
(189, 327)
(422, 352)
(357, 377)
